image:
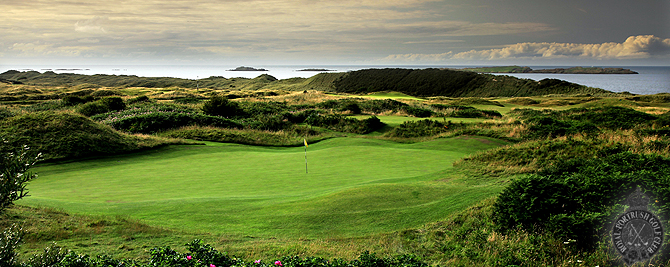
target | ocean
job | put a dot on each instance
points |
(650, 80)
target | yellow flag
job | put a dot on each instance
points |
(305, 140)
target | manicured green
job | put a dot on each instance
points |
(354, 187)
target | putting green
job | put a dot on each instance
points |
(354, 186)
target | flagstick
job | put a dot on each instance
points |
(305, 158)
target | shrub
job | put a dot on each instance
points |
(104, 105)
(5, 113)
(140, 99)
(351, 107)
(573, 198)
(379, 106)
(417, 112)
(343, 124)
(10, 240)
(221, 106)
(72, 100)
(268, 123)
(410, 129)
(14, 174)
(255, 109)
(113, 103)
(153, 121)
(93, 108)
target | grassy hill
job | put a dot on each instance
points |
(453, 83)
(414, 82)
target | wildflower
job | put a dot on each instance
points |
(212, 265)
(257, 261)
(278, 263)
(189, 257)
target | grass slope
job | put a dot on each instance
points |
(354, 187)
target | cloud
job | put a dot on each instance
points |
(419, 57)
(635, 47)
(93, 25)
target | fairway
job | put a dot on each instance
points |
(354, 187)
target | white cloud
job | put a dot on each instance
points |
(93, 25)
(635, 47)
(418, 57)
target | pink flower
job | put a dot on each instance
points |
(278, 263)
(189, 257)
(212, 265)
(257, 261)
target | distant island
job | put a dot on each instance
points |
(243, 68)
(573, 70)
(315, 70)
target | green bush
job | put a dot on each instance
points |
(221, 106)
(5, 113)
(343, 124)
(417, 112)
(427, 127)
(10, 240)
(104, 105)
(153, 121)
(379, 106)
(140, 99)
(255, 109)
(92, 108)
(14, 174)
(573, 198)
(73, 100)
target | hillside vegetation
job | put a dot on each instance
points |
(413, 82)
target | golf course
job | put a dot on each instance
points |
(440, 168)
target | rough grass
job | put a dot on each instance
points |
(65, 135)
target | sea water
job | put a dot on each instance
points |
(650, 80)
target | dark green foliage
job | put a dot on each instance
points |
(544, 126)
(410, 129)
(157, 121)
(351, 107)
(452, 83)
(93, 108)
(10, 240)
(474, 113)
(5, 113)
(417, 112)
(549, 123)
(104, 105)
(299, 117)
(268, 123)
(576, 196)
(14, 174)
(140, 99)
(113, 103)
(612, 117)
(254, 109)
(343, 124)
(379, 106)
(64, 135)
(221, 106)
(73, 100)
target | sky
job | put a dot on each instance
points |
(328, 32)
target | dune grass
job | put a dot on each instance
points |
(354, 187)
